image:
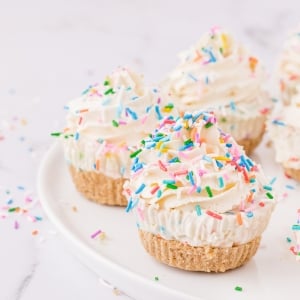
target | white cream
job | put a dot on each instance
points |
(284, 131)
(218, 73)
(176, 199)
(107, 121)
(289, 67)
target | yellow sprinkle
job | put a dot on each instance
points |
(102, 236)
(74, 208)
(225, 43)
(224, 158)
(228, 186)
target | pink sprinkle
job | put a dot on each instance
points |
(214, 215)
(122, 122)
(28, 199)
(202, 172)
(182, 154)
(226, 176)
(95, 234)
(162, 166)
(154, 190)
(193, 188)
(178, 173)
(16, 225)
(143, 119)
(141, 213)
(31, 219)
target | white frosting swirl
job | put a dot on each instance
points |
(289, 67)
(107, 120)
(219, 73)
(284, 131)
(189, 169)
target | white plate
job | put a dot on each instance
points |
(120, 259)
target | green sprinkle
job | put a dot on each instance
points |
(13, 209)
(288, 239)
(269, 195)
(156, 278)
(55, 133)
(187, 142)
(115, 123)
(171, 186)
(238, 288)
(209, 124)
(208, 191)
(106, 82)
(169, 106)
(223, 120)
(134, 154)
(109, 91)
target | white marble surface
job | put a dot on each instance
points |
(49, 52)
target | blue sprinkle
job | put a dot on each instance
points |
(290, 187)
(197, 115)
(9, 201)
(155, 90)
(228, 145)
(191, 178)
(221, 182)
(137, 167)
(158, 113)
(296, 227)
(219, 164)
(76, 136)
(198, 210)
(21, 188)
(198, 189)
(162, 229)
(232, 105)
(169, 181)
(244, 163)
(252, 180)
(277, 122)
(192, 77)
(38, 218)
(273, 180)
(187, 116)
(148, 108)
(134, 97)
(249, 214)
(207, 158)
(158, 194)
(250, 162)
(150, 145)
(267, 188)
(129, 206)
(131, 113)
(177, 127)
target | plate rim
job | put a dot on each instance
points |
(126, 275)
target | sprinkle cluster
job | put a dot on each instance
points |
(296, 230)
(194, 130)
